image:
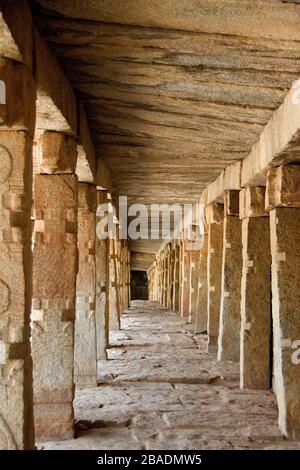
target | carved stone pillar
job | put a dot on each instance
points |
(102, 290)
(85, 358)
(54, 279)
(17, 120)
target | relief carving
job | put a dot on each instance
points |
(5, 164)
(4, 297)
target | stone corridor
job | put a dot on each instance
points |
(160, 389)
(149, 150)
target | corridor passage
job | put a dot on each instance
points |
(160, 389)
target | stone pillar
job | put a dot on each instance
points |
(85, 358)
(102, 288)
(230, 310)
(214, 217)
(194, 271)
(255, 337)
(17, 120)
(128, 277)
(201, 315)
(54, 278)
(165, 291)
(283, 200)
(171, 276)
(176, 277)
(113, 301)
(186, 285)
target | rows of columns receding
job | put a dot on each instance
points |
(61, 288)
(242, 286)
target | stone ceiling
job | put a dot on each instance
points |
(175, 90)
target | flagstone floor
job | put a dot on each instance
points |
(160, 389)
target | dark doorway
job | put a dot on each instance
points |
(139, 285)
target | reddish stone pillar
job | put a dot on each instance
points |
(54, 279)
(85, 358)
(17, 126)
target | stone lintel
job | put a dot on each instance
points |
(103, 176)
(16, 31)
(87, 197)
(283, 187)
(277, 143)
(56, 103)
(214, 213)
(231, 202)
(86, 163)
(252, 202)
(57, 153)
(18, 111)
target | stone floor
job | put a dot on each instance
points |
(161, 390)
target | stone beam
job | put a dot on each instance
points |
(86, 163)
(229, 179)
(56, 103)
(18, 111)
(137, 255)
(210, 16)
(277, 143)
(16, 31)
(103, 176)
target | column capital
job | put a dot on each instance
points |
(283, 187)
(252, 202)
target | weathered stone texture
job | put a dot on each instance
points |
(285, 242)
(56, 104)
(102, 292)
(194, 260)
(255, 338)
(54, 278)
(85, 358)
(18, 111)
(201, 316)
(114, 300)
(176, 275)
(252, 202)
(214, 274)
(186, 281)
(16, 417)
(283, 187)
(56, 153)
(230, 309)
